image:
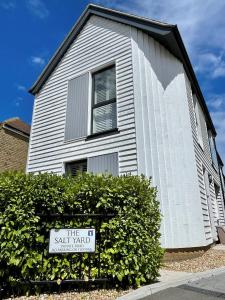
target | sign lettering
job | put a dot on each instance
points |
(72, 240)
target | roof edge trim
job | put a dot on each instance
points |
(91, 9)
(157, 29)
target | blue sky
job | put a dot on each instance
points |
(31, 31)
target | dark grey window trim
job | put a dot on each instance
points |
(212, 143)
(215, 168)
(102, 134)
(78, 163)
(93, 105)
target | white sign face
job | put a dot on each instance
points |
(72, 240)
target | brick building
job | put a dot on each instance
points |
(14, 142)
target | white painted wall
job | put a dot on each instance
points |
(101, 42)
(165, 147)
(203, 158)
(154, 109)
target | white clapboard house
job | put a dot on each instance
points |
(120, 96)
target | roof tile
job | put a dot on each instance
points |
(16, 123)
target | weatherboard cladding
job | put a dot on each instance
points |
(167, 34)
(203, 158)
(100, 42)
(199, 166)
(91, 9)
(165, 148)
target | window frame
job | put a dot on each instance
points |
(212, 149)
(103, 103)
(198, 125)
(80, 162)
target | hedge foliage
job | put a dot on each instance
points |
(130, 251)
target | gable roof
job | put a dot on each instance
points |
(17, 124)
(166, 34)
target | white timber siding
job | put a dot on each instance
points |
(155, 116)
(165, 147)
(203, 159)
(100, 42)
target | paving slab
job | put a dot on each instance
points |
(168, 275)
(180, 294)
(167, 279)
(214, 283)
(170, 279)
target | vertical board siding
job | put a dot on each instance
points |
(77, 108)
(154, 109)
(107, 163)
(165, 148)
(203, 158)
(100, 42)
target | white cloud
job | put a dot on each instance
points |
(219, 71)
(202, 26)
(219, 122)
(38, 8)
(18, 101)
(211, 65)
(21, 87)
(37, 60)
(216, 102)
(201, 23)
(8, 5)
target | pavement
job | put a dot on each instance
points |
(212, 288)
(172, 285)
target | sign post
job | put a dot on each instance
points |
(76, 240)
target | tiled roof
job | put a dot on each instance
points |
(17, 124)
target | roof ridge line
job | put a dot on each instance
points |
(132, 14)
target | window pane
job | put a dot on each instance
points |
(74, 167)
(105, 85)
(104, 117)
(213, 150)
(198, 123)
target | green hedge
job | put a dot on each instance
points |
(131, 251)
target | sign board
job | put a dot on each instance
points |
(72, 240)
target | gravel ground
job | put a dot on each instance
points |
(211, 259)
(92, 295)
